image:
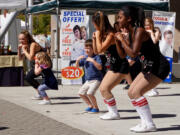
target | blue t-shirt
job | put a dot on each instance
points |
(91, 72)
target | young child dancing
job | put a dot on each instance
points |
(43, 66)
(93, 76)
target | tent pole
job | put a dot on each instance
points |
(57, 38)
(30, 3)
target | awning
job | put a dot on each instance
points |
(104, 5)
(13, 4)
(46, 7)
(161, 5)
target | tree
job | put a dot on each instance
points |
(41, 23)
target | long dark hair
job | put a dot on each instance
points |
(28, 36)
(102, 21)
(136, 14)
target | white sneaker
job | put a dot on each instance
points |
(110, 116)
(152, 93)
(135, 127)
(45, 102)
(138, 125)
(143, 128)
(36, 97)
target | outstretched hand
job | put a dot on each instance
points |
(89, 59)
(80, 57)
(20, 46)
(149, 31)
(24, 48)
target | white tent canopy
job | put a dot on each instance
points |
(13, 4)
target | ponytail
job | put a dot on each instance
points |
(102, 21)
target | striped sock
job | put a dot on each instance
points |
(111, 105)
(134, 103)
(144, 110)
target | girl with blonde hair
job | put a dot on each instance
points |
(43, 66)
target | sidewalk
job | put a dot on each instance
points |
(67, 108)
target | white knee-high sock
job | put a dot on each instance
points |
(134, 103)
(111, 105)
(144, 110)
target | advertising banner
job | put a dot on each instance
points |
(73, 34)
(166, 22)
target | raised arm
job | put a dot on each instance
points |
(30, 55)
(103, 45)
(37, 69)
(94, 43)
(119, 47)
(155, 35)
(139, 37)
(96, 64)
(20, 55)
(78, 60)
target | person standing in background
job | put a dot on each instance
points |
(155, 35)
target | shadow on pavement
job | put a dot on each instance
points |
(60, 103)
(154, 116)
(3, 128)
(163, 88)
(64, 98)
(163, 115)
(173, 127)
(176, 94)
(104, 111)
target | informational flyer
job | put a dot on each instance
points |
(73, 34)
(166, 22)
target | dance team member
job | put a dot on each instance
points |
(104, 42)
(155, 66)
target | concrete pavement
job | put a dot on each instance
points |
(17, 120)
(67, 108)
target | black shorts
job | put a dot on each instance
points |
(160, 69)
(120, 67)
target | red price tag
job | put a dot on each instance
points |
(72, 73)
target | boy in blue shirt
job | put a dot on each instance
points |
(92, 65)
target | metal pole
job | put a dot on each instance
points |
(57, 36)
(30, 3)
(26, 16)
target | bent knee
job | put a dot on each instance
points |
(130, 91)
(90, 95)
(81, 94)
(103, 89)
(134, 94)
